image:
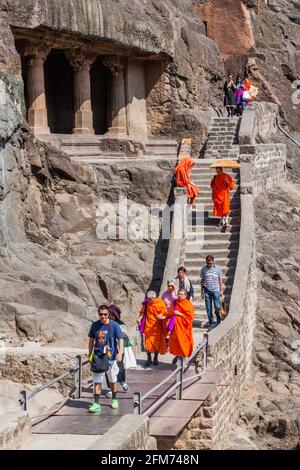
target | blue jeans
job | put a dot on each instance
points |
(210, 298)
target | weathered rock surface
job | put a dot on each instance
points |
(263, 40)
(53, 267)
(270, 409)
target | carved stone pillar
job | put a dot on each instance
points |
(81, 62)
(37, 109)
(117, 115)
(136, 99)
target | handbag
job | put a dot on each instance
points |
(100, 362)
(143, 321)
(223, 311)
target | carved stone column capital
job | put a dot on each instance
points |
(80, 58)
(113, 62)
(36, 51)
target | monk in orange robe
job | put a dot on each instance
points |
(221, 184)
(181, 342)
(182, 173)
(153, 325)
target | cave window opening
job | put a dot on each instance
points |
(206, 28)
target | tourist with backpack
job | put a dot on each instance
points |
(105, 351)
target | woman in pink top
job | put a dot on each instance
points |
(169, 297)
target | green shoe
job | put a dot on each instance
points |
(114, 404)
(94, 408)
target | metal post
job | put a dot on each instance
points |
(78, 384)
(137, 405)
(205, 351)
(179, 379)
(23, 400)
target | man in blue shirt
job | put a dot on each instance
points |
(105, 335)
(212, 288)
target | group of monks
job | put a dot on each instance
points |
(220, 184)
(155, 323)
(170, 328)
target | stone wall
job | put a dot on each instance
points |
(230, 345)
(14, 429)
(230, 348)
(36, 365)
(130, 433)
(265, 165)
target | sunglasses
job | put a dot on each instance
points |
(103, 314)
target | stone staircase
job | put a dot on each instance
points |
(223, 138)
(204, 237)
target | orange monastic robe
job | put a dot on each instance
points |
(181, 342)
(220, 194)
(155, 330)
(182, 172)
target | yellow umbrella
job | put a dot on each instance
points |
(225, 164)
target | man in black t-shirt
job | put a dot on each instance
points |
(105, 335)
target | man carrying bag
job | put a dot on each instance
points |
(105, 351)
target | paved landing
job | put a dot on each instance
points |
(169, 419)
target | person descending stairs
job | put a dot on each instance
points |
(204, 236)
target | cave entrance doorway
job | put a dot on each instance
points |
(59, 88)
(100, 91)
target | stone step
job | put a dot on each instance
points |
(210, 172)
(223, 127)
(194, 274)
(217, 253)
(217, 147)
(221, 155)
(190, 236)
(216, 128)
(206, 180)
(210, 246)
(197, 292)
(199, 262)
(212, 227)
(208, 206)
(207, 199)
(234, 119)
(211, 221)
(206, 192)
(204, 163)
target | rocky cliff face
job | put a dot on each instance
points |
(183, 95)
(266, 45)
(53, 269)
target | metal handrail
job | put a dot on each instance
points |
(160, 384)
(178, 386)
(25, 397)
(286, 133)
